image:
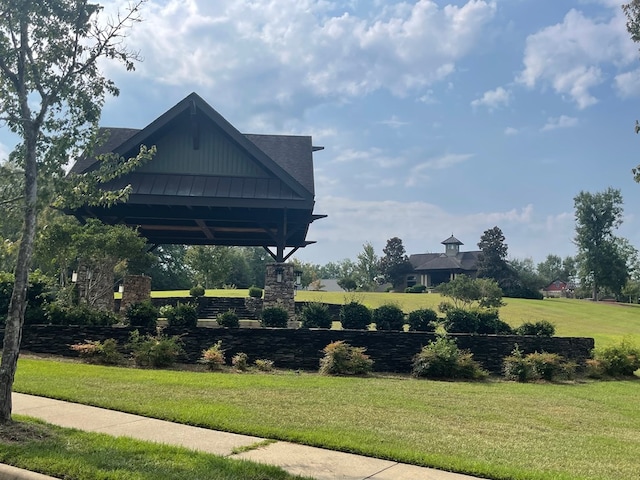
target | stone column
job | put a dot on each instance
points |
(137, 288)
(279, 289)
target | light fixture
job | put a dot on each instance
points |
(74, 276)
(279, 274)
(121, 288)
(298, 277)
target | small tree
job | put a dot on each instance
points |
(467, 292)
(51, 94)
(354, 315)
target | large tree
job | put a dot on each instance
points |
(395, 264)
(600, 252)
(492, 262)
(51, 95)
(367, 267)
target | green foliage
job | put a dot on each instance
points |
(395, 264)
(602, 263)
(485, 321)
(315, 315)
(82, 314)
(228, 319)
(492, 262)
(275, 317)
(542, 328)
(348, 284)
(388, 317)
(419, 288)
(355, 316)
(213, 357)
(255, 292)
(443, 359)
(240, 361)
(183, 315)
(422, 320)
(264, 365)
(536, 366)
(142, 314)
(105, 353)
(620, 360)
(158, 351)
(38, 294)
(466, 292)
(197, 291)
(340, 358)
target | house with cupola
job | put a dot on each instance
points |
(432, 269)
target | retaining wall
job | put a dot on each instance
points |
(302, 349)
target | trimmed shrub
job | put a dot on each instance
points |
(388, 317)
(264, 365)
(416, 289)
(105, 353)
(197, 291)
(515, 367)
(484, 321)
(541, 328)
(228, 319)
(154, 351)
(422, 320)
(489, 323)
(340, 358)
(183, 315)
(355, 316)
(275, 317)
(213, 357)
(443, 359)
(142, 314)
(83, 314)
(536, 366)
(620, 360)
(240, 361)
(165, 310)
(315, 315)
(459, 320)
(255, 292)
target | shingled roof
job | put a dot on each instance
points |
(209, 183)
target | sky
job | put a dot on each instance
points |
(436, 117)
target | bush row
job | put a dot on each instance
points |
(440, 359)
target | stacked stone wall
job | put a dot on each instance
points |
(302, 349)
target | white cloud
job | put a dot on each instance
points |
(493, 99)
(374, 155)
(419, 172)
(570, 56)
(420, 225)
(511, 131)
(563, 121)
(271, 53)
(394, 122)
(628, 84)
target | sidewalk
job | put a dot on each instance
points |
(296, 459)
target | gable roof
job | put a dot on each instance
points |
(209, 183)
(286, 157)
(452, 241)
(439, 261)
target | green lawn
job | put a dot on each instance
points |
(607, 323)
(68, 453)
(493, 429)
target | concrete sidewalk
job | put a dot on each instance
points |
(312, 462)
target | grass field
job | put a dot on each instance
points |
(606, 322)
(69, 453)
(501, 430)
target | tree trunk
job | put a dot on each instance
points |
(18, 303)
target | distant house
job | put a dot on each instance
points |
(432, 269)
(557, 288)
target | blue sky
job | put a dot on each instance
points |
(437, 117)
